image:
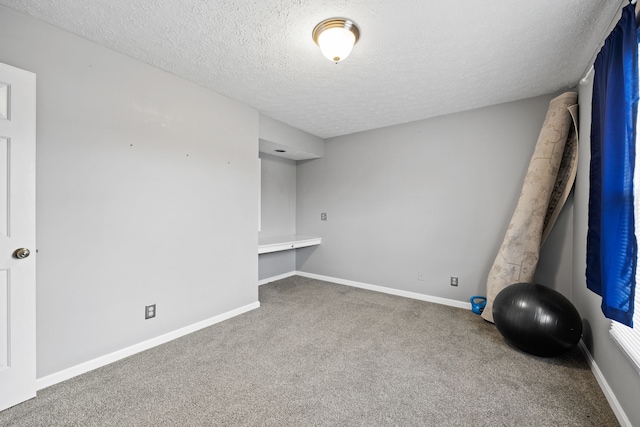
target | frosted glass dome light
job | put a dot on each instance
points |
(336, 37)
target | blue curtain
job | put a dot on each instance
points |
(611, 243)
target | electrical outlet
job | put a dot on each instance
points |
(149, 311)
(421, 276)
(323, 216)
(454, 281)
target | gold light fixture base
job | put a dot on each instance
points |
(335, 23)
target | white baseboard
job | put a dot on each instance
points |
(608, 393)
(278, 277)
(101, 361)
(390, 291)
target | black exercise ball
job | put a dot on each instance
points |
(536, 319)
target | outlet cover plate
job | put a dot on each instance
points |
(150, 311)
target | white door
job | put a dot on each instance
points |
(17, 230)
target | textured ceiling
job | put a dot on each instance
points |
(415, 59)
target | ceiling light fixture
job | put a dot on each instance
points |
(336, 37)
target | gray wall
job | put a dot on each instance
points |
(619, 372)
(147, 192)
(276, 263)
(278, 212)
(278, 196)
(433, 196)
(556, 256)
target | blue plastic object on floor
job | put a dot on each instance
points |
(477, 303)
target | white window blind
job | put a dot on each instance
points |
(629, 338)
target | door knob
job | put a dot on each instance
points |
(21, 253)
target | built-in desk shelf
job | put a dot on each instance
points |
(283, 243)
